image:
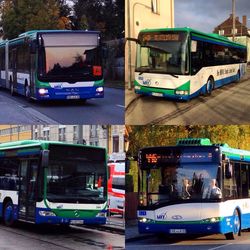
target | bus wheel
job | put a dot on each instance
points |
(8, 216)
(236, 227)
(209, 86)
(27, 92)
(12, 92)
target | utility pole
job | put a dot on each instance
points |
(233, 12)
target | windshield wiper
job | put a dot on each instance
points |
(173, 75)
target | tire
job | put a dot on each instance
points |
(27, 91)
(236, 227)
(209, 86)
(12, 91)
(8, 214)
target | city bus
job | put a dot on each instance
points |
(195, 187)
(116, 187)
(182, 63)
(53, 183)
(53, 65)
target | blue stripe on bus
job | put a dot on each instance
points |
(223, 227)
(61, 220)
(61, 94)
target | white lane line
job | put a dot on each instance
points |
(121, 106)
(213, 248)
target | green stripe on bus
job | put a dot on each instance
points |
(185, 86)
(99, 83)
(75, 213)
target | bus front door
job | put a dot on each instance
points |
(28, 190)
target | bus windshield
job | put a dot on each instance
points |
(76, 175)
(68, 59)
(179, 183)
(163, 52)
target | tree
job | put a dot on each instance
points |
(23, 15)
(104, 15)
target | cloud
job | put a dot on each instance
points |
(206, 15)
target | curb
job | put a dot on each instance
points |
(132, 101)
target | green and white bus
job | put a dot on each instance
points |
(52, 182)
(181, 63)
(53, 65)
(195, 187)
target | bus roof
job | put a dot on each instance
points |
(209, 36)
(32, 34)
(40, 143)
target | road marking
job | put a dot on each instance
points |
(121, 106)
(213, 248)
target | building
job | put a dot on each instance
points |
(15, 133)
(242, 33)
(141, 14)
(110, 137)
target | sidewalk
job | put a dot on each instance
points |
(131, 96)
(114, 84)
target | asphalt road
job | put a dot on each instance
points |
(227, 105)
(180, 242)
(31, 237)
(109, 110)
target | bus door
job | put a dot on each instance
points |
(13, 67)
(28, 190)
(32, 73)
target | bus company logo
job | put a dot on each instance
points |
(76, 213)
(58, 86)
(147, 82)
(60, 206)
(161, 216)
(177, 217)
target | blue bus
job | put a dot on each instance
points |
(53, 65)
(195, 187)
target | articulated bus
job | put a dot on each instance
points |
(181, 63)
(116, 188)
(195, 187)
(52, 182)
(53, 65)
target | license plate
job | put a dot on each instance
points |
(76, 222)
(157, 94)
(73, 97)
(177, 231)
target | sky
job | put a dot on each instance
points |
(205, 15)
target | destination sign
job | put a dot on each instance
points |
(160, 37)
(185, 157)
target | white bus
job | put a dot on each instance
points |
(181, 63)
(195, 187)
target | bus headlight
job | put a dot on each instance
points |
(211, 220)
(101, 214)
(145, 220)
(99, 89)
(43, 91)
(46, 213)
(181, 92)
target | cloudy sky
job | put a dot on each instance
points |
(205, 15)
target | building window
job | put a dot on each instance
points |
(62, 134)
(221, 32)
(155, 6)
(46, 135)
(115, 144)
(235, 31)
(75, 134)
(36, 135)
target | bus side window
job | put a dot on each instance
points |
(197, 58)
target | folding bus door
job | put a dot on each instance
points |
(28, 190)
